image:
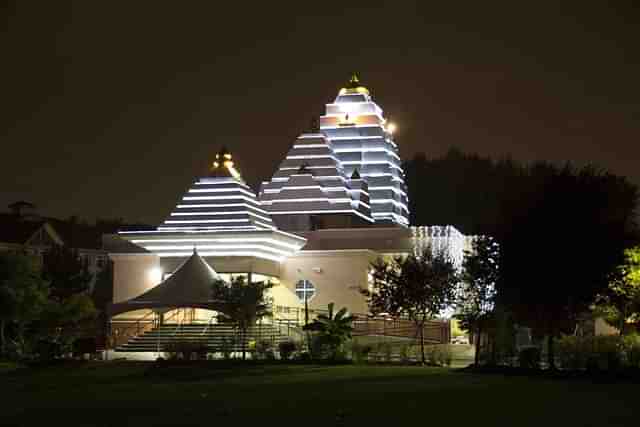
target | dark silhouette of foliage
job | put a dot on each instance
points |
(67, 273)
(70, 306)
(561, 245)
(480, 274)
(23, 297)
(561, 230)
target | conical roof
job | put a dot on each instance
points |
(191, 283)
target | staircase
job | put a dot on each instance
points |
(215, 336)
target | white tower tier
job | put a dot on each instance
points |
(362, 140)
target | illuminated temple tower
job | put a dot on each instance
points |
(310, 189)
(219, 216)
(361, 140)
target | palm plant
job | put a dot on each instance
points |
(332, 330)
(245, 303)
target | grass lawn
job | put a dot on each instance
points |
(122, 394)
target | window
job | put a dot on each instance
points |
(305, 290)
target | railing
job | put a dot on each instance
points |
(435, 331)
(125, 329)
(288, 321)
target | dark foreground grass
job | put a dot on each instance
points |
(123, 394)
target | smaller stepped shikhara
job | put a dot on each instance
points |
(215, 336)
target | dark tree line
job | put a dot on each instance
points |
(562, 230)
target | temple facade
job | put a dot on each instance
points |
(335, 204)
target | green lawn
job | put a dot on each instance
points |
(122, 394)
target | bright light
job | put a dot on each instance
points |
(391, 128)
(155, 274)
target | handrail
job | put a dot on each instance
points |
(176, 312)
(206, 328)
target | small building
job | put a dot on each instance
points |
(23, 230)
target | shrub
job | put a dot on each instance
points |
(286, 349)
(264, 350)
(631, 348)
(318, 348)
(85, 345)
(226, 347)
(406, 353)
(607, 352)
(383, 352)
(445, 355)
(303, 356)
(572, 352)
(387, 351)
(360, 352)
(431, 355)
(529, 357)
(599, 353)
(186, 350)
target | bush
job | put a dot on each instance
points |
(360, 352)
(445, 355)
(573, 352)
(599, 353)
(386, 351)
(286, 349)
(631, 348)
(406, 353)
(431, 354)
(226, 347)
(383, 352)
(186, 350)
(264, 350)
(303, 356)
(86, 345)
(529, 358)
(318, 349)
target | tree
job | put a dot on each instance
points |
(563, 238)
(245, 302)
(66, 271)
(69, 307)
(480, 273)
(332, 330)
(23, 295)
(621, 301)
(417, 286)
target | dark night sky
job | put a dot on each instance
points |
(111, 110)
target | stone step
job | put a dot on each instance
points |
(214, 336)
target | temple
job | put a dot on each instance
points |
(336, 203)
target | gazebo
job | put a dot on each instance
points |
(188, 287)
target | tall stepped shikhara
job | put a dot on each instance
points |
(362, 140)
(348, 166)
(311, 182)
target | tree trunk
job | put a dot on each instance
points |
(422, 343)
(551, 357)
(494, 349)
(623, 321)
(478, 340)
(2, 338)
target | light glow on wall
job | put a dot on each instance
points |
(155, 275)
